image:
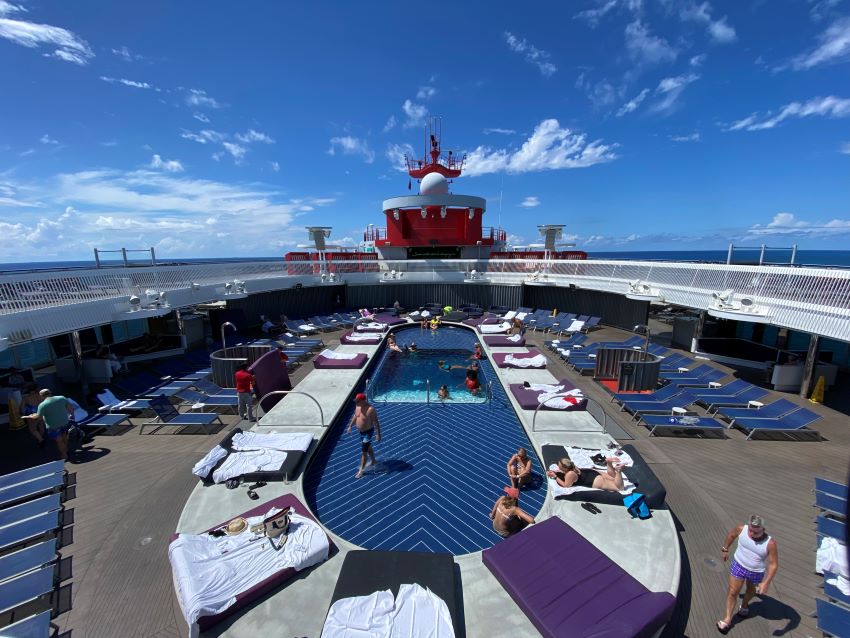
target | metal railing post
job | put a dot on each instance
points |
(124, 257)
(428, 390)
(96, 259)
(223, 326)
(153, 256)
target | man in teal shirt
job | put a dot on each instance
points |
(55, 411)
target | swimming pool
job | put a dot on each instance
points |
(415, 377)
(441, 466)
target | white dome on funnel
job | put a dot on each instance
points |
(433, 184)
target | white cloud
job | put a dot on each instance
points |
(254, 136)
(426, 92)
(348, 145)
(172, 166)
(831, 106)
(693, 137)
(718, 30)
(532, 55)
(45, 139)
(632, 104)
(833, 46)
(698, 60)
(645, 48)
(669, 90)
(200, 99)
(275, 167)
(500, 131)
(721, 32)
(550, 147)
(786, 224)
(236, 151)
(204, 136)
(530, 202)
(126, 54)
(415, 113)
(822, 8)
(126, 82)
(395, 153)
(593, 16)
(201, 117)
(391, 124)
(69, 46)
(845, 148)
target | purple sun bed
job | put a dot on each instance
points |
(502, 341)
(374, 338)
(585, 592)
(323, 363)
(499, 358)
(259, 590)
(479, 321)
(528, 398)
(388, 318)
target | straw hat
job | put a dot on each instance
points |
(236, 526)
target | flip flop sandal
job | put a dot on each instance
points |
(596, 510)
(588, 507)
(253, 495)
(722, 627)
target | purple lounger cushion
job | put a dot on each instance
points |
(323, 363)
(585, 593)
(499, 358)
(388, 318)
(502, 341)
(373, 339)
(527, 399)
(262, 588)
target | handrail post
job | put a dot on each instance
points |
(428, 390)
(285, 392)
(124, 256)
(223, 326)
(96, 259)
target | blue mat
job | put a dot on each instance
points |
(440, 469)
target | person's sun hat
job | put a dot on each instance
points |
(512, 492)
(360, 396)
(236, 526)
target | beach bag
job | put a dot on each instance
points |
(277, 524)
(636, 505)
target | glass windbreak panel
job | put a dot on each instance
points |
(406, 377)
(136, 328)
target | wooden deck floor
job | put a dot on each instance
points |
(131, 490)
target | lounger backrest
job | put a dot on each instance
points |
(831, 527)
(832, 488)
(830, 503)
(799, 418)
(107, 398)
(190, 396)
(163, 408)
(777, 408)
(207, 387)
(735, 387)
(30, 528)
(18, 591)
(38, 625)
(833, 619)
(46, 469)
(31, 489)
(25, 560)
(750, 394)
(16, 513)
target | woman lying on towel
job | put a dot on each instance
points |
(568, 475)
(507, 516)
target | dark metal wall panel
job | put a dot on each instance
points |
(614, 310)
(296, 303)
(412, 296)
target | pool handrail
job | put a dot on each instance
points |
(428, 391)
(285, 392)
(567, 394)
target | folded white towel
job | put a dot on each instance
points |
(575, 326)
(510, 315)
(366, 337)
(558, 401)
(330, 354)
(373, 325)
(545, 387)
(494, 328)
(521, 315)
(527, 362)
(515, 338)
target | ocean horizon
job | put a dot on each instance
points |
(831, 258)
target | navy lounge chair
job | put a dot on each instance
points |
(833, 620)
(167, 414)
(830, 504)
(662, 394)
(769, 411)
(795, 421)
(838, 490)
(688, 425)
(741, 400)
(31, 586)
(208, 387)
(732, 388)
(191, 397)
(590, 324)
(832, 527)
(638, 408)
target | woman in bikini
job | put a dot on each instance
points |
(568, 475)
(507, 516)
(519, 468)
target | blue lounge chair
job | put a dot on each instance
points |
(701, 369)
(208, 387)
(99, 422)
(839, 490)
(769, 411)
(293, 341)
(590, 324)
(833, 620)
(25, 560)
(700, 381)
(638, 408)
(191, 397)
(32, 483)
(344, 320)
(321, 324)
(28, 529)
(673, 362)
(296, 327)
(732, 388)
(690, 425)
(832, 591)
(167, 414)
(831, 527)
(795, 422)
(830, 504)
(33, 585)
(741, 400)
(30, 627)
(662, 394)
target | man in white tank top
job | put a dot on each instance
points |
(755, 563)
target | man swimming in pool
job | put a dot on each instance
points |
(366, 419)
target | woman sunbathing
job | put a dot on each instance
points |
(569, 475)
(507, 516)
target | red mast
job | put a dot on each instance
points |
(448, 165)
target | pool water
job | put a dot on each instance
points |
(407, 377)
(440, 465)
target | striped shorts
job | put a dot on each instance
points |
(745, 574)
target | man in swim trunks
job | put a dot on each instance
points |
(366, 419)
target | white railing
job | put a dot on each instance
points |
(39, 304)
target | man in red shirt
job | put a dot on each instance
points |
(244, 385)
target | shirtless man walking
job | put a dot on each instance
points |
(366, 419)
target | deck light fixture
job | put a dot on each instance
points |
(442, 212)
(135, 303)
(395, 214)
(424, 212)
(471, 213)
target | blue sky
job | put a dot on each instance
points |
(639, 124)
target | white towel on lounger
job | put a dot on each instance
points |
(558, 401)
(575, 326)
(494, 328)
(510, 315)
(284, 441)
(363, 337)
(545, 387)
(372, 325)
(526, 362)
(239, 463)
(330, 354)
(203, 467)
(515, 338)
